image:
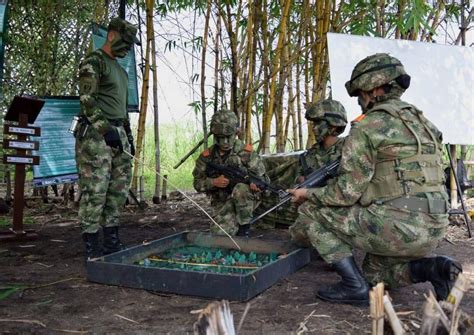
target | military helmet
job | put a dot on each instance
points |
(330, 110)
(127, 30)
(224, 123)
(375, 71)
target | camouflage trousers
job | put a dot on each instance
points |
(236, 210)
(104, 179)
(391, 237)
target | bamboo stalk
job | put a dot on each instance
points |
(203, 72)
(156, 120)
(430, 318)
(395, 322)
(376, 295)
(461, 286)
(267, 119)
(144, 93)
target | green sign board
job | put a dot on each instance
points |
(56, 145)
(128, 63)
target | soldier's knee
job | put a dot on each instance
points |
(241, 191)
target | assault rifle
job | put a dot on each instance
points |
(236, 175)
(314, 179)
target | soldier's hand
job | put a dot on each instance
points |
(220, 182)
(299, 195)
(254, 187)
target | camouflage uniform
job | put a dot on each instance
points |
(389, 199)
(104, 172)
(325, 115)
(235, 204)
(102, 137)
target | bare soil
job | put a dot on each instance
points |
(51, 294)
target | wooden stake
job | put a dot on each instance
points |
(430, 318)
(395, 322)
(457, 292)
(215, 319)
(377, 308)
(164, 189)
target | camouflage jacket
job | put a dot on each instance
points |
(317, 156)
(103, 86)
(378, 136)
(241, 156)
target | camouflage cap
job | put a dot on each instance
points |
(127, 30)
(224, 122)
(330, 110)
(375, 71)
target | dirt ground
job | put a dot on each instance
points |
(44, 290)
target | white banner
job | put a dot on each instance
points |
(442, 79)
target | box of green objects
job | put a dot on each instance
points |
(201, 264)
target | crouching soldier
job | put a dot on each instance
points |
(329, 120)
(233, 203)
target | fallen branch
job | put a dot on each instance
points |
(31, 322)
(125, 318)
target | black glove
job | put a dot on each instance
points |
(112, 139)
(132, 146)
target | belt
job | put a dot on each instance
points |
(417, 204)
(116, 123)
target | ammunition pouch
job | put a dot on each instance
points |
(417, 204)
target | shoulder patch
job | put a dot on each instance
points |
(206, 153)
(359, 118)
(248, 148)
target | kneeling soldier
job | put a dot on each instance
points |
(234, 203)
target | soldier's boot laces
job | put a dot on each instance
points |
(92, 246)
(111, 240)
(244, 230)
(352, 289)
(441, 271)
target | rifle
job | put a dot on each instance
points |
(236, 175)
(314, 179)
(193, 150)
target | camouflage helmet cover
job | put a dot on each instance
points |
(330, 110)
(127, 30)
(375, 71)
(224, 123)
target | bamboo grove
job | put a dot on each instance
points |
(264, 60)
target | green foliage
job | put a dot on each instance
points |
(176, 140)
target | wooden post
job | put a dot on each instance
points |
(453, 191)
(19, 198)
(164, 188)
(22, 110)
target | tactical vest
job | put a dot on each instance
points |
(404, 177)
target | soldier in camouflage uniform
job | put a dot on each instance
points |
(102, 137)
(389, 199)
(233, 204)
(329, 120)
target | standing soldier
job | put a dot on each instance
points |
(389, 199)
(329, 120)
(233, 204)
(102, 137)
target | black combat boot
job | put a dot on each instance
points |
(244, 230)
(441, 271)
(111, 240)
(92, 247)
(352, 289)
